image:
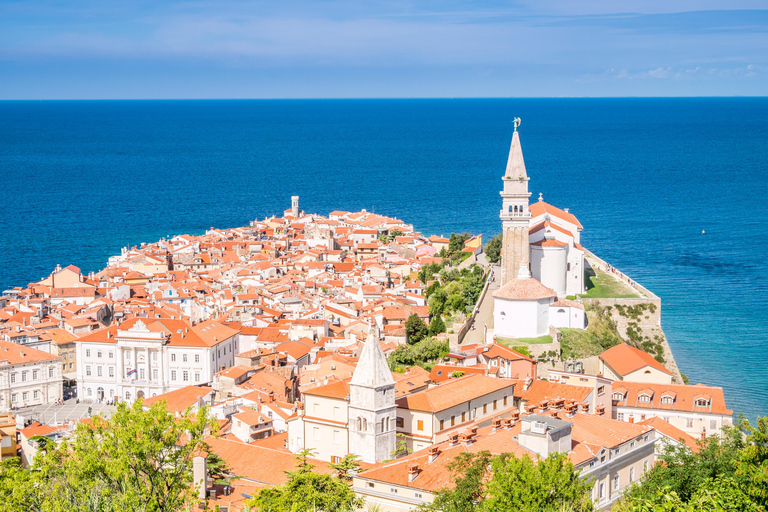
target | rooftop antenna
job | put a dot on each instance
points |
(516, 122)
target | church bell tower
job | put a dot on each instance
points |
(372, 408)
(515, 215)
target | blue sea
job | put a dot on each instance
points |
(645, 177)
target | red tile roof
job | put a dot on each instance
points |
(624, 360)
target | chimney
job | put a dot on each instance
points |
(496, 424)
(514, 417)
(466, 438)
(506, 423)
(413, 471)
(453, 440)
(434, 451)
(631, 418)
(585, 407)
(527, 384)
(199, 475)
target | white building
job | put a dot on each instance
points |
(28, 376)
(148, 357)
(521, 307)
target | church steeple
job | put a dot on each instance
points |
(372, 408)
(515, 215)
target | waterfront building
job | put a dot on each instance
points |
(698, 410)
(28, 376)
(625, 363)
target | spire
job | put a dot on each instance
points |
(515, 163)
(372, 369)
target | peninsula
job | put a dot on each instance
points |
(352, 333)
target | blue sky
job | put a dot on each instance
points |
(348, 49)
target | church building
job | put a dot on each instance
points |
(541, 259)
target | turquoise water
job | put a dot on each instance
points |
(644, 176)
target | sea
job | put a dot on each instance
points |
(672, 191)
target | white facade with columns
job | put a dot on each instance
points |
(139, 361)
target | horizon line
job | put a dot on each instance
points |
(330, 98)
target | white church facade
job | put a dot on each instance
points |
(541, 258)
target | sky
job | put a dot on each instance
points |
(126, 49)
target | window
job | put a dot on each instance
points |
(365, 424)
(154, 356)
(111, 354)
(36, 394)
(173, 374)
(142, 374)
(88, 370)
(98, 371)
(197, 379)
(111, 371)
(197, 358)
(359, 424)
(494, 405)
(417, 495)
(185, 375)
(485, 408)
(601, 390)
(505, 400)
(14, 398)
(632, 444)
(712, 424)
(13, 378)
(601, 491)
(184, 358)
(631, 474)
(70, 365)
(35, 374)
(335, 459)
(316, 433)
(50, 370)
(645, 466)
(127, 395)
(689, 423)
(399, 422)
(25, 395)
(618, 396)
(87, 352)
(667, 400)
(616, 482)
(371, 485)
(24, 376)
(463, 417)
(393, 490)
(336, 437)
(644, 398)
(620, 416)
(616, 451)
(98, 354)
(154, 373)
(442, 424)
(173, 358)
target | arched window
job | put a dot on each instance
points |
(359, 424)
(127, 395)
(365, 425)
(510, 208)
(382, 425)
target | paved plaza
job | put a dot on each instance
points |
(50, 414)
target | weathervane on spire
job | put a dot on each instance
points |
(516, 121)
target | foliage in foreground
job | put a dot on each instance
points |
(137, 460)
(505, 483)
(426, 351)
(727, 474)
(307, 490)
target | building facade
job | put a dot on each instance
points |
(28, 376)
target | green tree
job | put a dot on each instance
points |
(468, 474)
(218, 469)
(137, 460)
(347, 467)
(415, 329)
(401, 446)
(307, 490)
(493, 249)
(521, 485)
(437, 301)
(455, 302)
(436, 326)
